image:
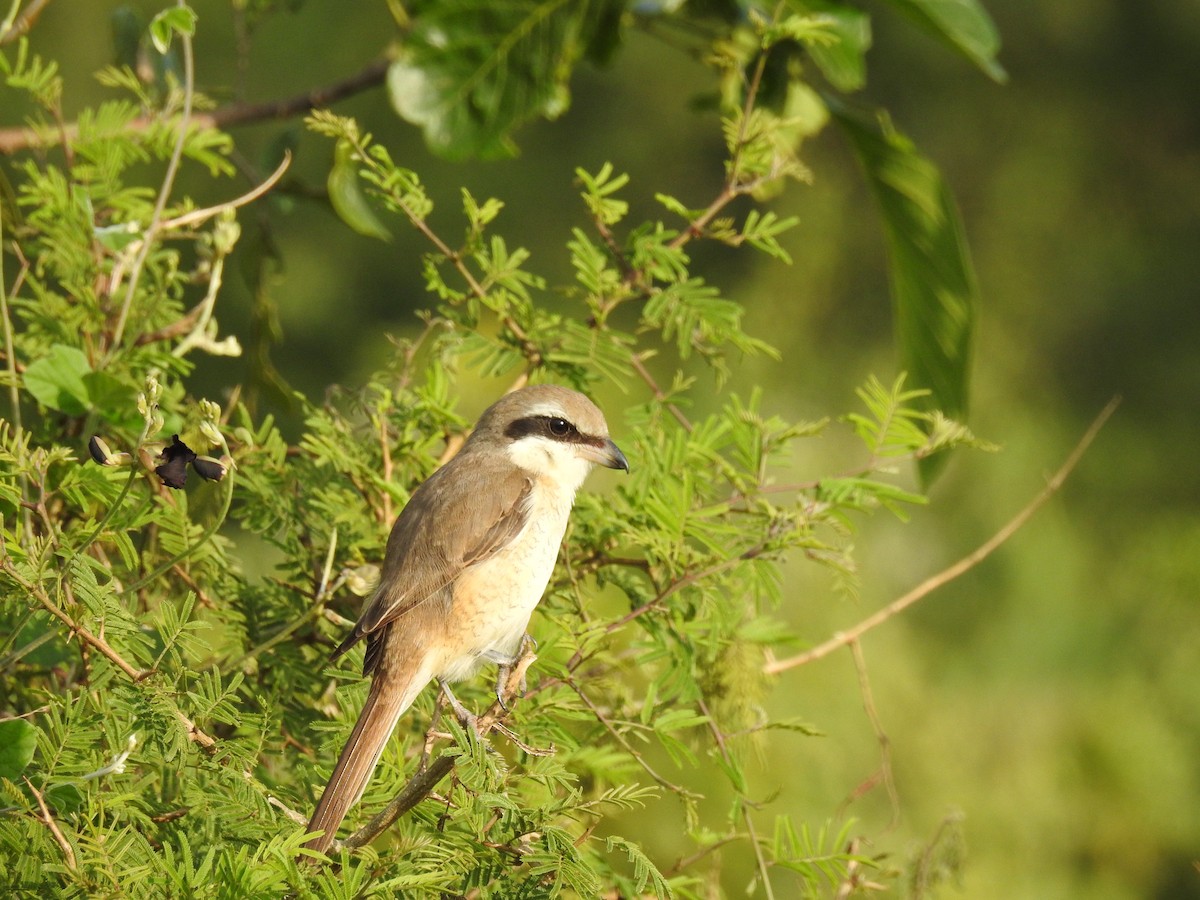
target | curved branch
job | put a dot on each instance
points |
(968, 562)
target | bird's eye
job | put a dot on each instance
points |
(559, 427)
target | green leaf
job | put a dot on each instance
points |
(170, 22)
(18, 739)
(934, 290)
(57, 380)
(843, 59)
(111, 397)
(347, 197)
(963, 24)
(64, 798)
(472, 71)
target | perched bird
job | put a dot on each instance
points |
(467, 561)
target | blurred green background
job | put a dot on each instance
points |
(1052, 696)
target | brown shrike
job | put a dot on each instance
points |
(467, 561)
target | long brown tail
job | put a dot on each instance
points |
(390, 695)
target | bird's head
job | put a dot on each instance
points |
(551, 432)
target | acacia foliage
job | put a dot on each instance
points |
(171, 717)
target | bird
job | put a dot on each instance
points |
(466, 563)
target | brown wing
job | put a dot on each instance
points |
(460, 516)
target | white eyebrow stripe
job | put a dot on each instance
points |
(547, 409)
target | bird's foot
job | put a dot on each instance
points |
(465, 717)
(507, 664)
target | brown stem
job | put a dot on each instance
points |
(15, 139)
(968, 562)
(194, 732)
(674, 587)
(723, 748)
(426, 779)
(86, 636)
(620, 739)
(68, 852)
(24, 23)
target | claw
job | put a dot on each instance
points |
(466, 718)
(506, 667)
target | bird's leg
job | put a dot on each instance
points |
(465, 717)
(506, 664)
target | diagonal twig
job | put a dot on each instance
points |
(968, 562)
(425, 780)
(68, 852)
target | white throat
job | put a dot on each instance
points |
(552, 464)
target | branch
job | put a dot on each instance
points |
(579, 657)
(236, 114)
(13, 140)
(194, 732)
(86, 636)
(764, 873)
(968, 562)
(164, 192)
(68, 853)
(637, 757)
(425, 780)
(13, 29)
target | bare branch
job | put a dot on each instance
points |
(968, 562)
(11, 31)
(68, 852)
(13, 140)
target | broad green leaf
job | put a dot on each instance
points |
(64, 798)
(111, 397)
(347, 197)
(843, 60)
(470, 72)
(963, 24)
(117, 237)
(934, 291)
(170, 22)
(18, 739)
(57, 380)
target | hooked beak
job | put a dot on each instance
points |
(607, 454)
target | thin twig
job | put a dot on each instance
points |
(621, 739)
(13, 140)
(426, 779)
(385, 451)
(968, 562)
(13, 29)
(194, 732)
(885, 743)
(68, 853)
(196, 216)
(26, 715)
(14, 392)
(579, 657)
(86, 636)
(723, 748)
(164, 193)
(685, 862)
